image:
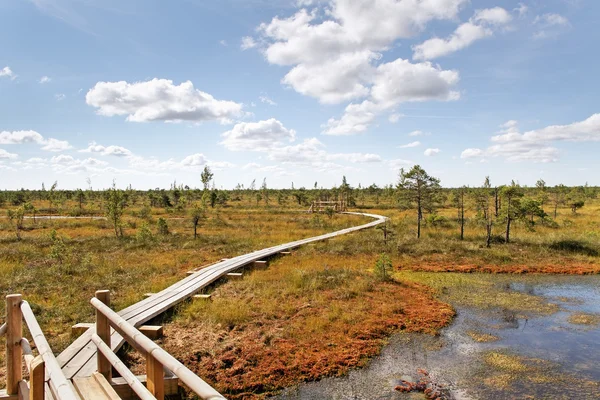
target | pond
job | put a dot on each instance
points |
(513, 337)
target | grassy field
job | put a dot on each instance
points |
(316, 313)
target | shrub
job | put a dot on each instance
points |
(383, 267)
(58, 250)
(161, 225)
(575, 246)
(144, 234)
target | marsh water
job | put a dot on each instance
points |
(495, 352)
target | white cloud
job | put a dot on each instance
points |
(267, 100)
(481, 25)
(257, 136)
(56, 145)
(333, 51)
(194, 160)
(60, 96)
(522, 10)
(116, 151)
(395, 82)
(536, 145)
(159, 100)
(333, 81)
(20, 137)
(45, 79)
(549, 25)
(416, 133)
(248, 43)
(7, 72)
(432, 152)
(409, 145)
(223, 43)
(398, 163)
(23, 137)
(5, 155)
(471, 153)
(395, 117)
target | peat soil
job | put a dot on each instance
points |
(490, 352)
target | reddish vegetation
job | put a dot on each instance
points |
(543, 268)
(432, 390)
(269, 353)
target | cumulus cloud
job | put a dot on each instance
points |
(398, 163)
(267, 100)
(23, 137)
(60, 96)
(248, 43)
(432, 152)
(394, 83)
(5, 155)
(334, 53)
(194, 160)
(481, 25)
(116, 151)
(257, 136)
(20, 137)
(537, 145)
(159, 100)
(409, 145)
(395, 117)
(7, 72)
(549, 25)
(45, 79)
(416, 133)
(56, 145)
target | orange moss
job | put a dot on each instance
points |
(562, 269)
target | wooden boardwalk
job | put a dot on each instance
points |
(79, 359)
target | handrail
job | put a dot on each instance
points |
(130, 378)
(3, 329)
(129, 332)
(59, 384)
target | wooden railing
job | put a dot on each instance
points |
(322, 206)
(156, 358)
(43, 368)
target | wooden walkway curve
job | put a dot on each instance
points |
(79, 359)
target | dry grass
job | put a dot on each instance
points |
(584, 319)
(58, 277)
(310, 315)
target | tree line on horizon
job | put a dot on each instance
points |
(494, 206)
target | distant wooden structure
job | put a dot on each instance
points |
(339, 205)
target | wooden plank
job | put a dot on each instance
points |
(80, 328)
(103, 331)
(23, 390)
(235, 275)
(155, 377)
(14, 352)
(37, 379)
(126, 393)
(88, 388)
(106, 387)
(152, 331)
(6, 396)
(203, 297)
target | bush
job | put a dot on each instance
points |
(161, 225)
(145, 213)
(144, 234)
(383, 267)
(437, 221)
(58, 250)
(575, 246)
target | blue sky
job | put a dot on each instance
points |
(303, 91)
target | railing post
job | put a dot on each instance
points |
(14, 334)
(37, 379)
(155, 377)
(103, 330)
